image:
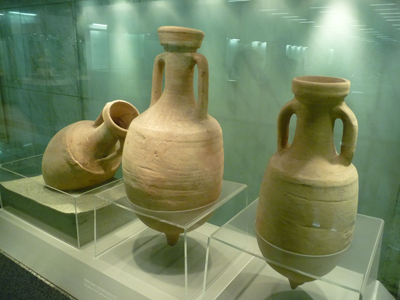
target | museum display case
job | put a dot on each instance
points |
(61, 61)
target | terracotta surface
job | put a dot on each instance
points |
(173, 158)
(309, 193)
(88, 153)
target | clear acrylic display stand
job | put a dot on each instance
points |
(69, 216)
(174, 272)
(236, 268)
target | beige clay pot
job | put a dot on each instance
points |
(88, 153)
(173, 158)
(308, 199)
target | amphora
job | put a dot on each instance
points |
(308, 199)
(88, 153)
(173, 158)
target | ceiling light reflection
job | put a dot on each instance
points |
(337, 25)
(98, 26)
(234, 40)
(319, 7)
(385, 9)
(382, 4)
(280, 13)
(23, 14)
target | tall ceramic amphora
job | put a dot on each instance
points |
(88, 153)
(173, 157)
(308, 200)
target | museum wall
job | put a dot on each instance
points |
(61, 61)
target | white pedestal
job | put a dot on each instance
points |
(153, 271)
(131, 262)
(236, 268)
(68, 216)
(177, 270)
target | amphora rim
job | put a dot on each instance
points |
(320, 89)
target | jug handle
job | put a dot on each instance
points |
(202, 83)
(158, 73)
(283, 124)
(350, 130)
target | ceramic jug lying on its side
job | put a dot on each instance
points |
(308, 200)
(173, 158)
(88, 153)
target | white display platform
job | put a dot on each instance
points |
(258, 281)
(235, 244)
(112, 276)
(144, 256)
(232, 200)
(177, 270)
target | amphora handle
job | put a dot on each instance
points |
(350, 130)
(202, 84)
(158, 72)
(283, 124)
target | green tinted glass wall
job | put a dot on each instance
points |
(61, 61)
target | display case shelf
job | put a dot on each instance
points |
(354, 277)
(68, 216)
(176, 270)
(120, 273)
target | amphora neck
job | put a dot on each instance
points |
(179, 74)
(110, 127)
(317, 97)
(314, 132)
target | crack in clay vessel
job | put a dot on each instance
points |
(88, 153)
(308, 199)
(173, 159)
